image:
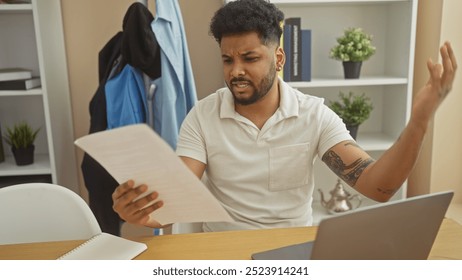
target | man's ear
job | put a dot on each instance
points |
(280, 58)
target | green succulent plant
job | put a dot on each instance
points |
(353, 109)
(355, 45)
(21, 135)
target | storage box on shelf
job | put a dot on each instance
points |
(32, 38)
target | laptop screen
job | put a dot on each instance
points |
(404, 229)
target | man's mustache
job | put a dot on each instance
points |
(240, 79)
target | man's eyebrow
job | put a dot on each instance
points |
(242, 54)
(248, 53)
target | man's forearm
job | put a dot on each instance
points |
(384, 177)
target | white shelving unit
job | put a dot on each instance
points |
(32, 38)
(386, 77)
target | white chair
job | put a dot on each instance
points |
(40, 212)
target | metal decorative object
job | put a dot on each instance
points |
(340, 200)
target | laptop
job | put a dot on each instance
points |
(397, 230)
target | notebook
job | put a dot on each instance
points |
(404, 229)
(105, 246)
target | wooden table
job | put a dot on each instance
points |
(231, 245)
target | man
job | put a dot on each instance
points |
(257, 139)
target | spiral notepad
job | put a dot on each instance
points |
(105, 246)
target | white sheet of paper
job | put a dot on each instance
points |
(136, 152)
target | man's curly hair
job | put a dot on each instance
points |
(245, 16)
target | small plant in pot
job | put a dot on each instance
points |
(353, 109)
(21, 139)
(354, 47)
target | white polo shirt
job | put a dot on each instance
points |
(263, 178)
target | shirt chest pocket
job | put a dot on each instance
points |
(289, 167)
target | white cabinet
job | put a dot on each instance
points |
(386, 77)
(32, 37)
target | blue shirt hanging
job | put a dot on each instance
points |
(175, 91)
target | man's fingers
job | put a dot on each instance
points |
(452, 57)
(448, 74)
(151, 208)
(122, 189)
(134, 207)
(446, 60)
(450, 66)
(142, 216)
(141, 203)
(130, 195)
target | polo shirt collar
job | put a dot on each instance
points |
(288, 106)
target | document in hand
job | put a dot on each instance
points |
(137, 152)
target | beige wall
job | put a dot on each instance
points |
(447, 137)
(440, 164)
(89, 24)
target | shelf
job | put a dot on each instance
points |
(341, 82)
(30, 92)
(41, 165)
(15, 8)
(32, 37)
(375, 141)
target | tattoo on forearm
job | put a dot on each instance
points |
(351, 143)
(387, 191)
(349, 173)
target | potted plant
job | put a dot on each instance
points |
(353, 109)
(354, 47)
(21, 139)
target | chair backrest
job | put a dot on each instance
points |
(40, 212)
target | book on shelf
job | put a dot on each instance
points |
(10, 74)
(23, 84)
(105, 246)
(306, 55)
(295, 48)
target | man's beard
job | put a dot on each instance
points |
(259, 93)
